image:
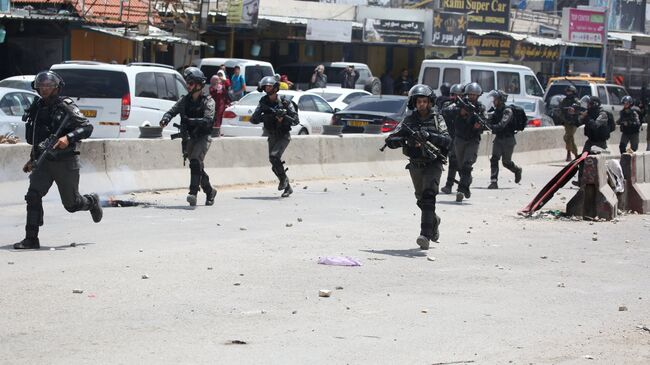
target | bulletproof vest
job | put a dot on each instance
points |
(269, 120)
(497, 116)
(627, 115)
(44, 119)
(594, 132)
(195, 109)
(568, 102)
(417, 124)
(464, 127)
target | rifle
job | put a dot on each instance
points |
(428, 149)
(184, 135)
(476, 112)
(278, 112)
(47, 146)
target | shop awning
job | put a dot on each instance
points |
(154, 34)
(626, 37)
(535, 40)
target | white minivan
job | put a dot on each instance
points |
(253, 70)
(519, 82)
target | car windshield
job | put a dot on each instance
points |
(329, 96)
(557, 89)
(377, 105)
(16, 84)
(86, 83)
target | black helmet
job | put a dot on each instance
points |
(268, 80)
(589, 102)
(627, 99)
(456, 89)
(194, 74)
(500, 94)
(418, 91)
(473, 88)
(444, 89)
(571, 88)
(47, 77)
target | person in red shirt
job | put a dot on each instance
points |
(219, 86)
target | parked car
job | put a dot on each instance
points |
(386, 111)
(610, 94)
(313, 112)
(23, 82)
(118, 99)
(300, 74)
(535, 117)
(253, 70)
(13, 104)
(519, 82)
(337, 97)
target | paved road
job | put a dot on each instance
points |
(502, 289)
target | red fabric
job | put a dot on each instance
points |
(221, 101)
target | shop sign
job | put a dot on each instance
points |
(449, 29)
(482, 14)
(393, 31)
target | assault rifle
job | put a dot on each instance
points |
(428, 149)
(47, 146)
(476, 111)
(277, 112)
(184, 135)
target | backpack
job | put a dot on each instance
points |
(520, 120)
(611, 123)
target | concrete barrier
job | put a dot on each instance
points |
(595, 198)
(636, 169)
(118, 166)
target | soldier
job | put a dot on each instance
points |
(278, 116)
(444, 98)
(55, 122)
(598, 126)
(424, 139)
(569, 118)
(630, 123)
(467, 138)
(450, 110)
(197, 117)
(502, 124)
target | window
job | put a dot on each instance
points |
(616, 94)
(508, 82)
(166, 86)
(532, 86)
(253, 74)
(484, 78)
(431, 77)
(85, 83)
(145, 85)
(451, 76)
(353, 96)
(602, 95)
(364, 75)
(13, 104)
(321, 105)
(306, 104)
(181, 88)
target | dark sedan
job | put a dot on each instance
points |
(383, 111)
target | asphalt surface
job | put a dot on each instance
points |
(165, 284)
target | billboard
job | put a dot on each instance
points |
(243, 12)
(583, 25)
(393, 31)
(329, 30)
(482, 14)
(449, 29)
(624, 15)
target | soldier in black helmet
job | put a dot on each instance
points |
(630, 122)
(197, 118)
(56, 121)
(420, 135)
(278, 115)
(444, 98)
(450, 112)
(468, 137)
(569, 117)
(502, 123)
(598, 126)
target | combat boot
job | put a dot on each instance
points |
(95, 208)
(423, 242)
(287, 191)
(28, 244)
(284, 183)
(446, 189)
(191, 198)
(436, 231)
(493, 185)
(518, 175)
(459, 197)
(209, 198)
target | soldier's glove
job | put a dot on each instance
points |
(28, 167)
(440, 140)
(163, 122)
(394, 142)
(424, 134)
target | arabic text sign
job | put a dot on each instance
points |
(449, 29)
(583, 26)
(393, 31)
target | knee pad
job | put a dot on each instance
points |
(33, 198)
(196, 166)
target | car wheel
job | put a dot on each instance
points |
(303, 132)
(373, 86)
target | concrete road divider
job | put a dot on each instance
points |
(119, 166)
(636, 169)
(595, 199)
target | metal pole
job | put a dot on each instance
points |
(603, 66)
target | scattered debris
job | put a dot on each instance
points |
(304, 187)
(561, 285)
(325, 190)
(543, 257)
(145, 276)
(431, 258)
(115, 203)
(209, 267)
(622, 308)
(643, 328)
(236, 284)
(589, 357)
(363, 194)
(627, 241)
(463, 243)
(10, 263)
(339, 288)
(52, 249)
(243, 228)
(77, 291)
(339, 261)
(73, 244)
(594, 238)
(9, 139)
(141, 250)
(236, 342)
(323, 293)
(294, 312)
(425, 311)
(299, 220)
(454, 362)
(289, 225)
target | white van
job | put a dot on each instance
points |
(252, 70)
(519, 82)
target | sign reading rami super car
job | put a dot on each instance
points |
(482, 14)
(449, 29)
(393, 31)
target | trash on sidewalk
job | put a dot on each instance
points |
(339, 261)
(323, 293)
